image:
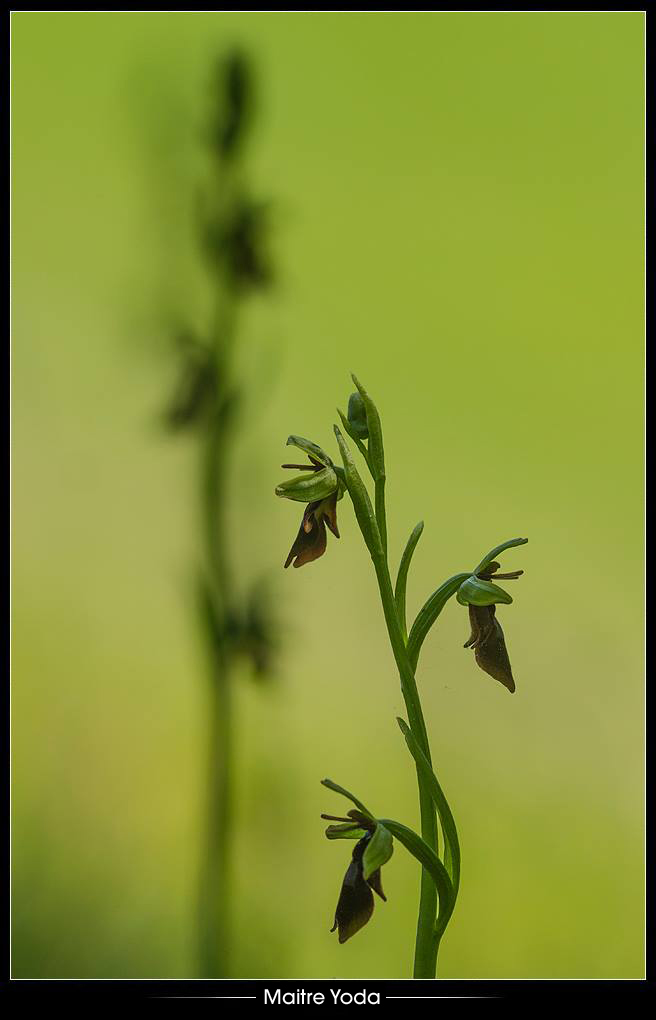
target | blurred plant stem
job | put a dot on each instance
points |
(206, 401)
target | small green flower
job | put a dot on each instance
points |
(487, 638)
(356, 901)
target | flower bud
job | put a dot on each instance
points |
(357, 416)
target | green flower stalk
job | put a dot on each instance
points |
(436, 847)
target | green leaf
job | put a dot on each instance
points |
(495, 552)
(309, 487)
(350, 796)
(345, 830)
(402, 576)
(429, 860)
(378, 851)
(476, 592)
(447, 821)
(429, 613)
(311, 449)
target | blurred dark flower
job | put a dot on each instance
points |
(258, 641)
(234, 87)
(240, 244)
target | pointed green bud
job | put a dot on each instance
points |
(476, 592)
(376, 451)
(313, 451)
(315, 485)
(357, 416)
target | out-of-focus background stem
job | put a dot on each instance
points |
(207, 401)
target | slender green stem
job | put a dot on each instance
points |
(426, 944)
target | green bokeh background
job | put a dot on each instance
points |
(459, 220)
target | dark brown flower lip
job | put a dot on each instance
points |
(356, 900)
(487, 640)
(311, 541)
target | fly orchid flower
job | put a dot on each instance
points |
(481, 595)
(320, 488)
(356, 900)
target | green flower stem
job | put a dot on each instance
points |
(427, 941)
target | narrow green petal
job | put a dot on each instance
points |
(493, 553)
(311, 449)
(345, 793)
(378, 851)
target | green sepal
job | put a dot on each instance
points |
(357, 417)
(350, 796)
(309, 487)
(493, 553)
(345, 830)
(311, 449)
(475, 592)
(378, 852)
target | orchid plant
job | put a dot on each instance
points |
(320, 486)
